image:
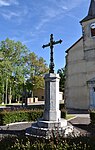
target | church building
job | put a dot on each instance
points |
(80, 66)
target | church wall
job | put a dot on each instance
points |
(89, 49)
(80, 64)
(76, 91)
(76, 52)
(90, 67)
(76, 80)
(78, 98)
(76, 67)
(89, 42)
(89, 55)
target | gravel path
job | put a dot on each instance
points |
(14, 129)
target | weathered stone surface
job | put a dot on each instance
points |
(51, 112)
(51, 121)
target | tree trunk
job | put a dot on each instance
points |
(6, 91)
(3, 94)
(10, 95)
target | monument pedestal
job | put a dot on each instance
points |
(51, 112)
(51, 120)
(47, 128)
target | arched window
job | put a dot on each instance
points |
(92, 27)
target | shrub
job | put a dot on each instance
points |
(63, 113)
(92, 117)
(7, 117)
(61, 106)
(12, 116)
(31, 143)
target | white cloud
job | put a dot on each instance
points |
(8, 2)
(19, 15)
(57, 10)
(9, 15)
(46, 13)
(4, 3)
(42, 22)
(71, 4)
(64, 7)
(49, 14)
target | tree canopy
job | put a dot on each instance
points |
(62, 74)
(19, 70)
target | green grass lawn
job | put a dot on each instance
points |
(68, 116)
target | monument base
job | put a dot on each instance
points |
(51, 124)
(47, 129)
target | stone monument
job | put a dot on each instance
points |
(51, 120)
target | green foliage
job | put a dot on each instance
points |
(69, 116)
(20, 71)
(63, 113)
(92, 117)
(31, 143)
(30, 114)
(12, 67)
(61, 106)
(62, 74)
(38, 82)
(38, 67)
(7, 117)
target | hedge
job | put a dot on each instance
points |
(63, 113)
(7, 117)
(12, 116)
(92, 117)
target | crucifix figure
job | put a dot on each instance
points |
(52, 42)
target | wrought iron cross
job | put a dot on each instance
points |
(52, 42)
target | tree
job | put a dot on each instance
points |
(12, 66)
(20, 71)
(62, 75)
(37, 68)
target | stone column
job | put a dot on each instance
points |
(51, 112)
(51, 120)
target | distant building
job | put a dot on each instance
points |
(80, 66)
(40, 94)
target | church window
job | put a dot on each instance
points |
(92, 27)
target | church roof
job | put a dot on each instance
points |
(91, 12)
(74, 44)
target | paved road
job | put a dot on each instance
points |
(81, 121)
(14, 129)
(16, 126)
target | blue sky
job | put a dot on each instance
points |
(32, 22)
